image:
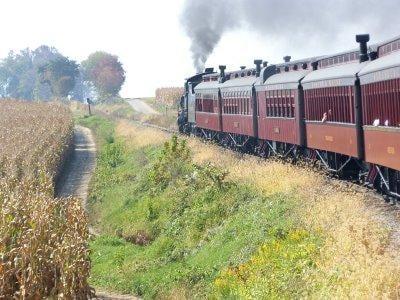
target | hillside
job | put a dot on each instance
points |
(183, 219)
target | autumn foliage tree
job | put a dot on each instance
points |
(105, 72)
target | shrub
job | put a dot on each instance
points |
(171, 164)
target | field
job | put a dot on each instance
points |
(122, 110)
(172, 225)
(44, 250)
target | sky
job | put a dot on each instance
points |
(147, 36)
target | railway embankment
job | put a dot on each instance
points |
(183, 218)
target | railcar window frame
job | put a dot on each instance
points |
(280, 104)
(338, 103)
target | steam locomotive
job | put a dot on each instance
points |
(342, 110)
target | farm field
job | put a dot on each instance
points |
(122, 110)
(44, 250)
(179, 218)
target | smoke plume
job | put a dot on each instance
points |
(301, 22)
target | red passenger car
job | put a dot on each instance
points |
(237, 99)
(333, 124)
(281, 110)
(208, 107)
(380, 83)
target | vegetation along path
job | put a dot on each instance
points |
(76, 178)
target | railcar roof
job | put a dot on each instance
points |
(298, 61)
(247, 81)
(345, 72)
(387, 41)
(339, 53)
(287, 77)
(207, 85)
(387, 62)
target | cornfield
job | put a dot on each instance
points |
(169, 96)
(43, 241)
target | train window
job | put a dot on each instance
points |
(336, 102)
(378, 103)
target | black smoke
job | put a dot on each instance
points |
(301, 23)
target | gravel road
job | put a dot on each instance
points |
(142, 107)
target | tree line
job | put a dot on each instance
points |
(45, 74)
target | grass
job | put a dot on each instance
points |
(241, 228)
(170, 227)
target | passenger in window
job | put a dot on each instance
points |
(376, 122)
(324, 117)
(387, 123)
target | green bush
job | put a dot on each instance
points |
(172, 163)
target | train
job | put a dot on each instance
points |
(342, 110)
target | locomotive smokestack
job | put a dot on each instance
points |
(363, 39)
(287, 59)
(222, 73)
(258, 63)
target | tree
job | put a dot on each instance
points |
(19, 77)
(105, 72)
(16, 72)
(60, 75)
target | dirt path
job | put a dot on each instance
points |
(76, 178)
(142, 107)
(79, 170)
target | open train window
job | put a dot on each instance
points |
(336, 102)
